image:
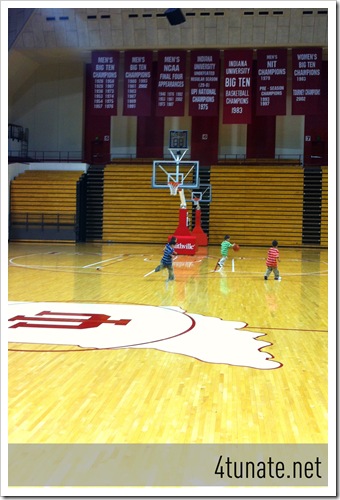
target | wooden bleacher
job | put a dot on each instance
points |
(260, 161)
(256, 204)
(130, 161)
(43, 198)
(133, 210)
(324, 208)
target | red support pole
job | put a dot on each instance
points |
(186, 242)
(182, 228)
(201, 237)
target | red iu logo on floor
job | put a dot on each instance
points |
(115, 326)
(91, 321)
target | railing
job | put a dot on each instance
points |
(46, 156)
(42, 226)
(316, 160)
(279, 158)
(77, 156)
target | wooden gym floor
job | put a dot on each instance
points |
(68, 393)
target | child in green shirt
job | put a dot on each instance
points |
(225, 245)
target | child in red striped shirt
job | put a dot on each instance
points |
(273, 258)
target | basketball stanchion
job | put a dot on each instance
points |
(177, 175)
(201, 236)
(182, 198)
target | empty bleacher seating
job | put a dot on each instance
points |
(41, 201)
(133, 210)
(324, 208)
(256, 204)
(253, 203)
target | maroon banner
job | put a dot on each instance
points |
(204, 83)
(170, 83)
(271, 82)
(137, 83)
(104, 76)
(237, 74)
(306, 81)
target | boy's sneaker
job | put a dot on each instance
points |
(265, 277)
(278, 279)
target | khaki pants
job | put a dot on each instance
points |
(275, 271)
(169, 268)
(222, 260)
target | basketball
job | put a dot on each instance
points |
(236, 248)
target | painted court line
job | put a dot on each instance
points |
(102, 261)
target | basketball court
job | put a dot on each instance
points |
(103, 350)
(213, 357)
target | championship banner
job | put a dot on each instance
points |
(271, 82)
(137, 83)
(170, 83)
(306, 81)
(237, 90)
(104, 76)
(204, 83)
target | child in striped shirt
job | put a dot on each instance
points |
(273, 258)
(169, 252)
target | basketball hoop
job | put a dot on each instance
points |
(173, 186)
(196, 197)
(197, 203)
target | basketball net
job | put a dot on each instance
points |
(197, 203)
(173, 186)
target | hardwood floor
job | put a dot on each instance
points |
(69, 393)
